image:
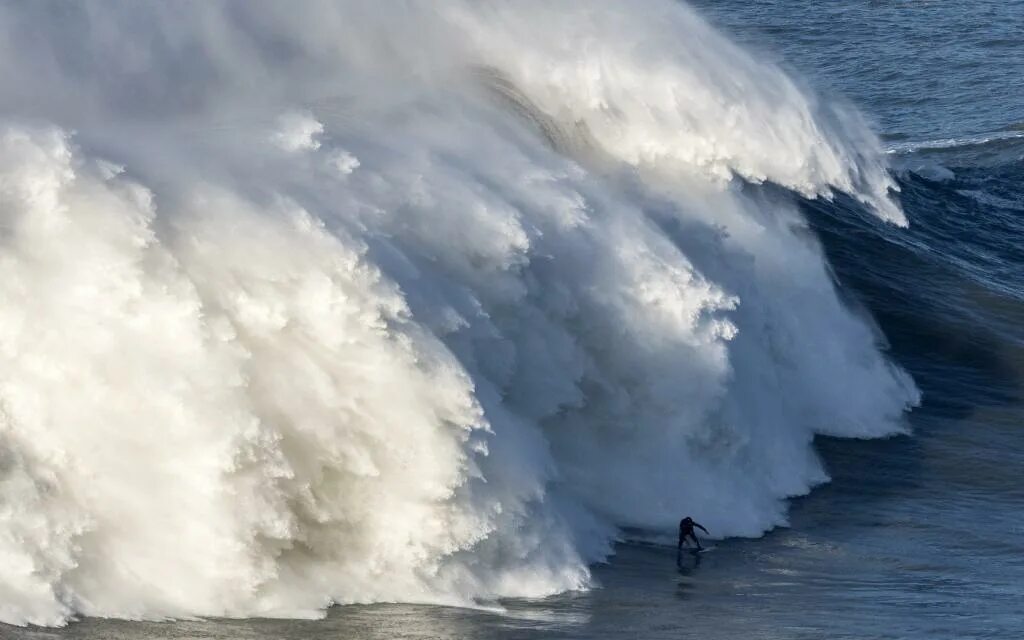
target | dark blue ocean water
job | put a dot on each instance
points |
(916, 537)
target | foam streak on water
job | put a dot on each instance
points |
(360, 303)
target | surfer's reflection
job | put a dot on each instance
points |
(685, 586)
(687, 567)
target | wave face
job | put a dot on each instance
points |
(409, 302)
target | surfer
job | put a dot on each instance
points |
(686, 526)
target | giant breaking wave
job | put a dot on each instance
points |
(354, 302)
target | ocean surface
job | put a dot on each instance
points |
(904, 521)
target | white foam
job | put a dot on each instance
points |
(297, 131)
(441, 349)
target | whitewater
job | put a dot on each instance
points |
(405, 302)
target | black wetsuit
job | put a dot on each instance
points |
(686, 526)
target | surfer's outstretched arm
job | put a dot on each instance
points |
(701, 528)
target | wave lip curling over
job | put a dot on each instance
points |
(362, 303)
